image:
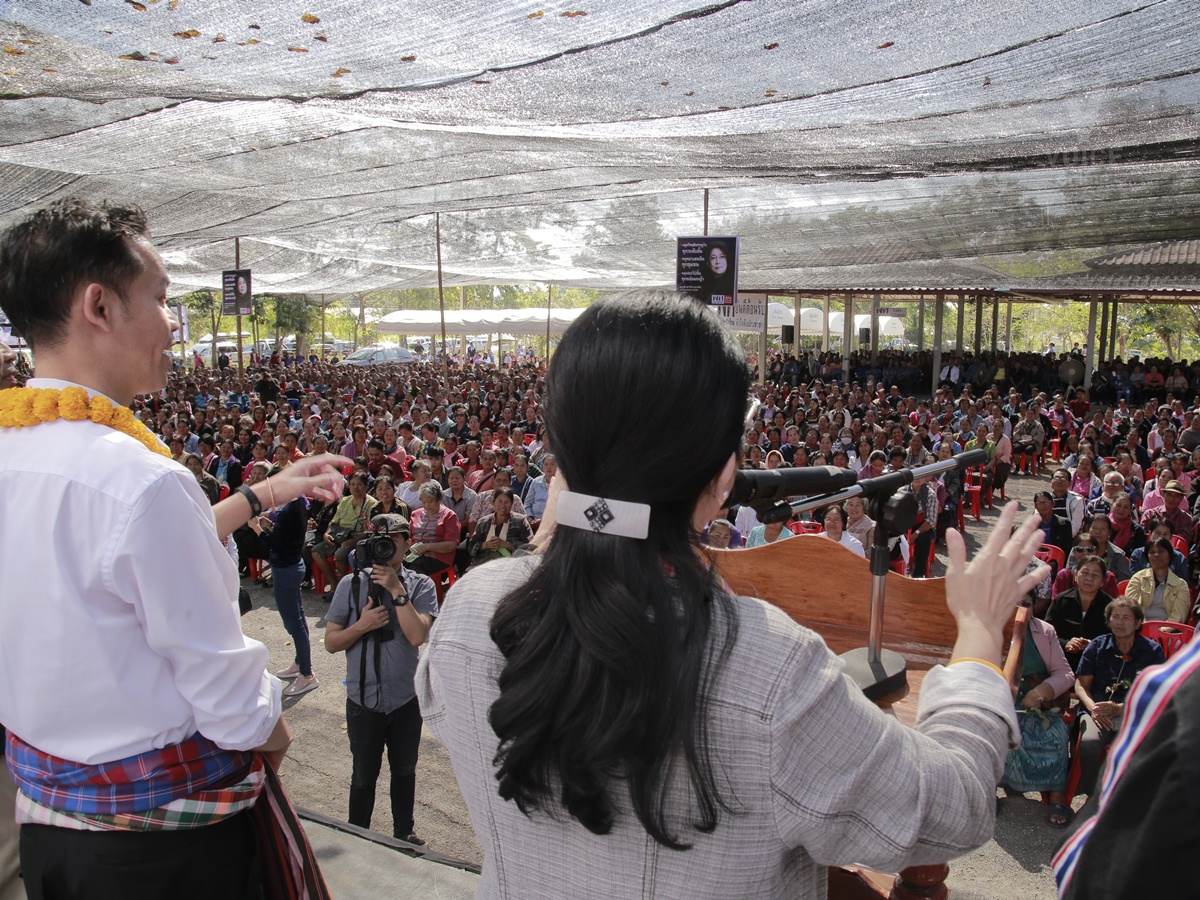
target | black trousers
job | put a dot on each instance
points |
(219, 860)
(370, 732)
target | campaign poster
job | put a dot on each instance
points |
(706, 268)
(236, 296)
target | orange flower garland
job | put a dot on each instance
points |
(22, 407)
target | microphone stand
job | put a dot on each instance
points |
(878, 671)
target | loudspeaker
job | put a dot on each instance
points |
(864, 335)
(789, 334)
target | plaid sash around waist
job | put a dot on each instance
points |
(124, 787)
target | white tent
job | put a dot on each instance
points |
(531, 320)
(889, 326)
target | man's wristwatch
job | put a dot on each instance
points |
(402, 600)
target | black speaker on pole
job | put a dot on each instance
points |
(864, 336)
(789, 334)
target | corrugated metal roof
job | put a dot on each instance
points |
(1164, 253)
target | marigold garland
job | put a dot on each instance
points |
(25, 406)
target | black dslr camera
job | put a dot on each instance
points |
(377, 550)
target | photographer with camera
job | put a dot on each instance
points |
(380, 621)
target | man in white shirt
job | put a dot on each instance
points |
(138, 714)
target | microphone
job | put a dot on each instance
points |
(763, 487)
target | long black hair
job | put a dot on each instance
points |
(613, 643)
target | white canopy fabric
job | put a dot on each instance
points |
(531, 320)
(889, 326)
(855, 145)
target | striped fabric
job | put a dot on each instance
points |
(1151, 693)
(188, 785)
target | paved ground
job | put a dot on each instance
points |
(1014, 865)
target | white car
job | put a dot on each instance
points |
(379, 355)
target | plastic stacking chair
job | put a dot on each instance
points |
(1171, 636)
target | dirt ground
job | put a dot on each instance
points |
(1015, 864)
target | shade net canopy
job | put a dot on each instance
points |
(857, 144)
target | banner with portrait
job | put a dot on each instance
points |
(236, 296)
(707, 268)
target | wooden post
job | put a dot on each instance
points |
(875, 329)
(921, 324)
(1090, 359)
(995, 322)
(1103, 349)
(796, 310)
(183, 360)
(1112, 344)
(978, 323)
(939, 310)
(323, 352)
(962, 309)
(706, 212)
(1008, 327)
(549, 304)
(847, 337)
(462, 304)
(437, 224)
(825, 323)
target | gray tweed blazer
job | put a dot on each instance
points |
(815, 774)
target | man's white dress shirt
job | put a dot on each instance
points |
(119, 630)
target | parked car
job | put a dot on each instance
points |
(379, 355)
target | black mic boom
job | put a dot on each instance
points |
(764, 487)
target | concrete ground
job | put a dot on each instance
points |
(1015, 864)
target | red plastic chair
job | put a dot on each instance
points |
(1053, 443)
(1171, 636)
(1121, 587)
(805, 527)
(1048, 554)
(255, 566)
(441, 586)
(223, 492)
(1179, 544)
(530, 438)
(973, 487)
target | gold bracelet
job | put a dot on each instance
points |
(271, 488)
(991, 665)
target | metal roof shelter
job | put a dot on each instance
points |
(859, 145)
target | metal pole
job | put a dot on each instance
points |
(322, 328)
(995, 322)
(1008, 327)
(962, 309)
(875, 329)
(706, 212)
(1091, 344)
(183, 362)
(437, 223)
(825, 323)
(549, 304)
(921, 324)
(237, 264)
(939, 310)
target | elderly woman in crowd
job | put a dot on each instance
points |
(1043, 693)
(1077, 614)
(435, 533)
(835, 520)
(1104, 675)
(1162, 595)
(497, 535)
(858, 524)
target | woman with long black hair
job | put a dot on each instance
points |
(621, 725)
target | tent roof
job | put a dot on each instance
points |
(857, 145)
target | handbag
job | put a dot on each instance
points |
(340, 533)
